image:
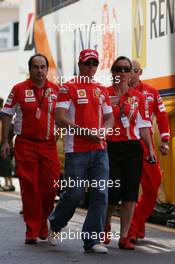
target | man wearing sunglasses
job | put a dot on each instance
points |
(151, 173)
(83, 109)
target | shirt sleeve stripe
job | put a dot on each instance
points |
(165, 135)
(9, 111)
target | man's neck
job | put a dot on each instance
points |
(135, 84)
(85, 79)
(38, 84)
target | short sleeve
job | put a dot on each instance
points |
(11, 102)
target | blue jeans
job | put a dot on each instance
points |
(80, 167)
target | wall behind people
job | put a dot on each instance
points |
(9, 72)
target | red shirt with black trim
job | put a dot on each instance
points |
(131, 105)
(34, 108)
(87, 103)
(156, 108)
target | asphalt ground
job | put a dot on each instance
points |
(157, 247)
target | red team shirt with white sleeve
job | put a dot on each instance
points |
(87, 103)
(24, 100)
(131, 105)
(156, 108)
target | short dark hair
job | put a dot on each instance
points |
(118, 59)
(37, 55)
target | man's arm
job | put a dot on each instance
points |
(145, 134)
(6, 124)
(108, 120)
(162, 123)
(63, 121)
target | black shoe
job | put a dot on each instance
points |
(31, 241)
(8, 188)
(43, 237)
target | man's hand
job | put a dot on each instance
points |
(164, 147)
(95, 136)
(152, 156)
(5, 150)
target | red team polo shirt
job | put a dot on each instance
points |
(86, 104)
(132, 105)
(156, 107)
(24, 100)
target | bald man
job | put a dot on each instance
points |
(151, 174)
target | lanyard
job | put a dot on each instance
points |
(40, 101)
(121, 107)
(124, 119)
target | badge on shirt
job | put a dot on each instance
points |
(125, 121)
(130, 100)
(38, 113)
(29, 93)
(82, 101)
(33, 99)
(81, 93)
(46, 94)
(96, 92)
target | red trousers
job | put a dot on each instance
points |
(150, 182)
(37, 167)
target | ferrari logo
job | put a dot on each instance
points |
(130, 100)
(46, 94)
(97, 93)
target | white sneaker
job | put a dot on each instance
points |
(53, 238)
(98, 248)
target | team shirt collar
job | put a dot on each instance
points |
(33, 85)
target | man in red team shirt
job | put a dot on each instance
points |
(151, 173)
(34, 102)
(84, 110)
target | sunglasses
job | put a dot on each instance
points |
(122, 69)
(136, 70)
(91, 63)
